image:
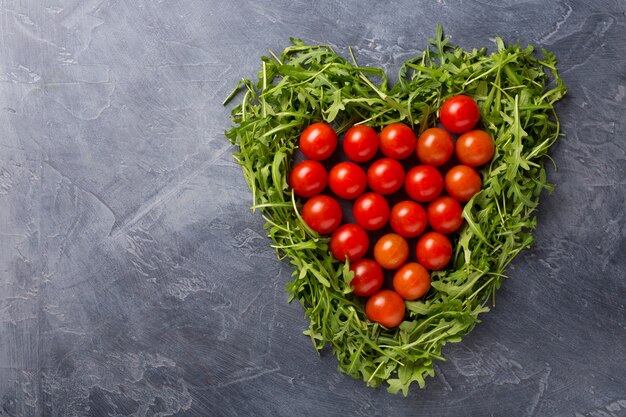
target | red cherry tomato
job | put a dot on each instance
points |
(434, 251)
(360, 143)
(391, 251)
(308, 178)
(408, 219)
(350, 241)
(347, 180)
(385, 307)
(459, 114)
(462, 182)
(474, 148)
(368, 277)
(434, 147)
(397, 141)
(423, 183)
(322, 214)
(385, 176)
(445, 215)
(411, 281)
(318, 141)
(371, 211)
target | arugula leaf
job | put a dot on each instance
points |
(515, 91)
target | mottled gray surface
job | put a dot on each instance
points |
(135, 281)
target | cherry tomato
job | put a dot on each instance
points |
(434, 251)
(318, 141)
(474, 148)
(322, 214)
(360, 143)
(308, 178)
(385, 176)
(462, 182)
(347, 180)
(459, 114)
(371, 211)
(434, 147)
(368, 277)
(385, 307)
(350, 241)
(397, 141)
(423, 183)
(411, 281)
(408, 219)
(391, 251)
(445, 215)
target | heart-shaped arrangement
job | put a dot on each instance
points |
(385, 177)
(307, 97)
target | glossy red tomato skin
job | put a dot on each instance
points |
(322, 214)
(368, 277)
(308, 178)
(385, 307)
(391, 251)
(349, 240)
(474, 148)
(411, 281)
(462, 182)
(347, 180)
(408, 219)
(318, 141)
(371, 211)
(385, 176)
(397, 141)
(434, 147)
(360, 143)
(445, 215)
(434, 251)
(459, 114)
(423, 183)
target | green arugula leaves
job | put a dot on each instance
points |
(515, 91)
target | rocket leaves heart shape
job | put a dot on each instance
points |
(515, 90)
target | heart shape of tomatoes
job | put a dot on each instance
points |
(427, 178)
(400, 207)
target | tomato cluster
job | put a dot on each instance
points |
(424, 183)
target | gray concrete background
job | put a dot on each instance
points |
(135, 281)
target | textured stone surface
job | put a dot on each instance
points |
(135, 281)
